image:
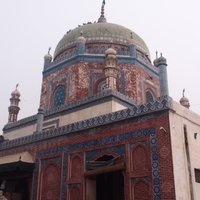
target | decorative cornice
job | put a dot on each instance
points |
(102, 18)
(70, 106)
(99, 58)
(162, 103)
(21, 122)
(91, 99)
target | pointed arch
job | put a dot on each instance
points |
(141, 191)
(149, 96)
(139, 158)
(59, 96)
(105, 155)
(74, 192)
(76, 167)
(51, 183)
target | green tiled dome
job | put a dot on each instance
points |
(105, 32)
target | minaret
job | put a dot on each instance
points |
(80, 44)
(47, 59)
(110, 70)
(102, 18)
(161, 63)
(184, 101)
(132, 48)
(14, 106)
(40, 119)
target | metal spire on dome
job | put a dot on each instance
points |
(156, 54)
(49, 50)
(184, 101)
(102, 17)
(183, 93)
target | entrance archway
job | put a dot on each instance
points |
(105, 179)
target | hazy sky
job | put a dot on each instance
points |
(29, 27)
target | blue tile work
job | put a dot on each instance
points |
(162, 103)
(98, 58)
(23, 122)
(110, 140)
(70, 106)
(59, 96)
(44, 163)
(102, 86)
(59, 82)
(64, 176)
(154, 163)
(35, 179)
(121, 50)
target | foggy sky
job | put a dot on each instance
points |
(29, 27)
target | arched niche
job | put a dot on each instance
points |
(141, 190)
(76, 167)
(50, 183)
(59, 96)
(74, 193)
(139, 158)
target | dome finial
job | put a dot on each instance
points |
(183, 94)
(102, 17)
(16, 93)
(47, 58)
(156, 54)
(184, 101)
(49, 50)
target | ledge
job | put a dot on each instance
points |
(122, 59)
(162, 103)
(70, 107)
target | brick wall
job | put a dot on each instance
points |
(84, 79)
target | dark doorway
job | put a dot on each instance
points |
(22, 189)
(110, 186)
(17, 189)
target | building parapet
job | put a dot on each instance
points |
(162, 103)
(28, 120)
(122, 59)
(70, 106)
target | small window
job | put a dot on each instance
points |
(197, 175)
(149, 97)
(59, 96)
(102, 86)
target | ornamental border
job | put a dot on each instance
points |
(160, 104)
(72, 105)
(105, 141)
(99, 58)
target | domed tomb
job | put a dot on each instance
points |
(101, 33)
(79, 67)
